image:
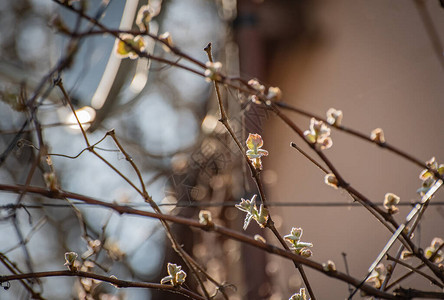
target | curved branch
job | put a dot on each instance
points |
(114, 281)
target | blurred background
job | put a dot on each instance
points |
(380, 62)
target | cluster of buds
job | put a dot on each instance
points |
(249, 206)
(301, 248)
(176, 276)
(318, 134)
(390, 202)
(427, 177)
(299, 296)
(254, 153)
(273, 93)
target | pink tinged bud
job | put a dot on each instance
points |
(176, 276)
(254, 142)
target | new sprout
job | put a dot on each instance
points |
(254, 144)
(249, 206)
(176, 276)
(70, 260)
(298, 247)
(299, 296)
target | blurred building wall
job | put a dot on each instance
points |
(376, 62)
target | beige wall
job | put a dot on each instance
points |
(376, 63)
